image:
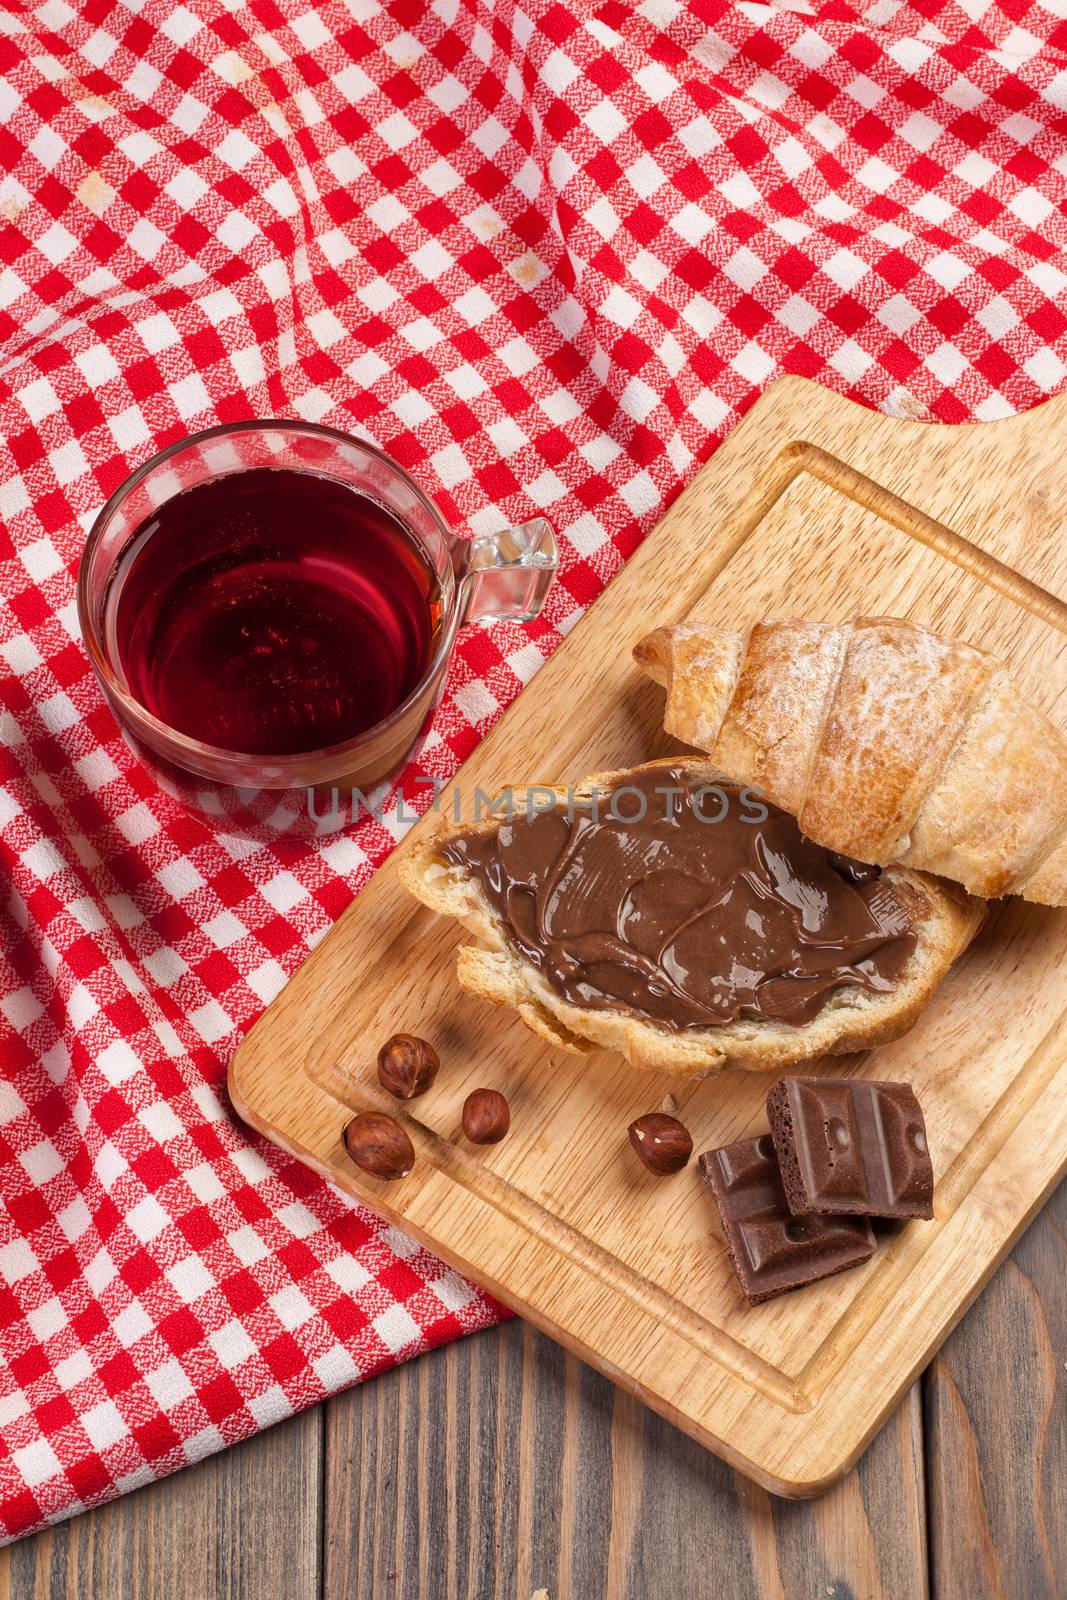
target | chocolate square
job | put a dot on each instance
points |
(770, 1249)
(849, 1146)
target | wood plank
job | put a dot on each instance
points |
(555, 1219)
(242, 1525)
(503, 1466)
(996, 1402)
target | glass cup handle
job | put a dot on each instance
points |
(505, 577)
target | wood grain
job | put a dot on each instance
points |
(812, 507)
(502, 1466)
(243, 1525)
(506, 1467)
(996, 1401)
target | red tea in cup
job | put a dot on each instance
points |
(273, 611)
(271, 608)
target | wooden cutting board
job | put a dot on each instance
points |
(813, 507)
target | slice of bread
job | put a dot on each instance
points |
(945, 919)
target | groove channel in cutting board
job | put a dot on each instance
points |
(814, 508)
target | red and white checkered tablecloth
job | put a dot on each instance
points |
(545, 254)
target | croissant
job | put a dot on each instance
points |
(887, 742)
(944, 920)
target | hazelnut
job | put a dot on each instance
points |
(662, 1143)
(407, 1065)
(378, 1144)
(486, 1116)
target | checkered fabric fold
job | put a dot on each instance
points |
(545, 254)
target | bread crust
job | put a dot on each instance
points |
(945, 921)
(886, 741)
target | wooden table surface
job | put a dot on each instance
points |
(501, 1466)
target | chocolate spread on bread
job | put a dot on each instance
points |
(686, 903)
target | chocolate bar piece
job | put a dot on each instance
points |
(770, 1249)
(845, 1145)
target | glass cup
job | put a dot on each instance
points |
(494, 578)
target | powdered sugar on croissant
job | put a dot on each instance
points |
(886, 741)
